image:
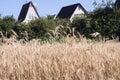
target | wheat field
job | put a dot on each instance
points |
(60, 61)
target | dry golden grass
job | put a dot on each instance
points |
(60, 61)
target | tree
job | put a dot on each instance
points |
(117, 4)
(6, 24)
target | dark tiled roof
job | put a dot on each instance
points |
(24, 11)
(67, 11)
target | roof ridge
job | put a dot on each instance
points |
(35, 8)
(72, 5)
(68, 11)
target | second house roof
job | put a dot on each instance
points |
(67, 11)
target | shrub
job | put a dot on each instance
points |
(6, 24)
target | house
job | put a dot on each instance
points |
(28, 12)
(71, 11)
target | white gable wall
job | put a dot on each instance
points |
(78, 11)
(31, 14)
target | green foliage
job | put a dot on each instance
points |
(82, 25)
(6, 24)
(102, 21)
(105, 20)
(39, 28)
(21, 30)
(108, 21)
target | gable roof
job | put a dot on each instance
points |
(24, 11)
(67, 11)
